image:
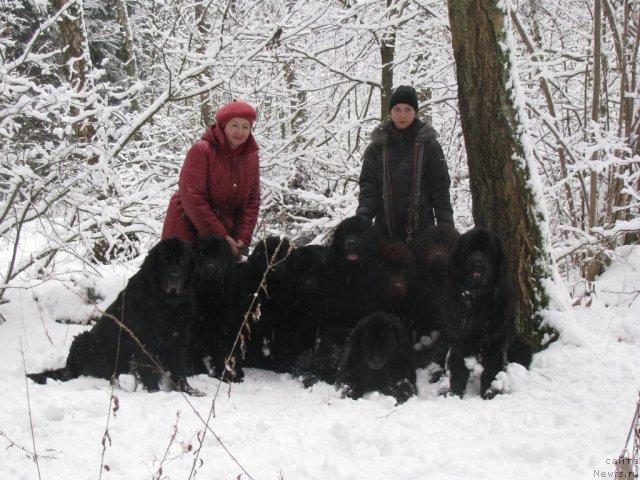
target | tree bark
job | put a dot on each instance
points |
(593, 265)
(206, 112)
(595, 109)
(387, 57)
(387, 54)
(499, 174)
(625, 46)
(77, 63)
(72, 34)
(131, 63)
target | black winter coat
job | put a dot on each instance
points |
(435, 202)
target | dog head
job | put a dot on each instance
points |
(433, 247)
(478, 260)
(169, 264)
(307, 265)
(355, 242)
(375, 340)
(399, 266)
(213, 260)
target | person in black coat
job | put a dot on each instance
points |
(404, 181)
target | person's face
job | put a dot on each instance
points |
(402, 115)
(237, 131)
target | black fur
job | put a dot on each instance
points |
(378, 358)
(399, 267)
(480, 310)
(355, 276)
(260, 303)
(297, 322)
(211, 333)
(156, 305)
(321, 363)
(425, 312)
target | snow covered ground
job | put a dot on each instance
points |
(566, 418)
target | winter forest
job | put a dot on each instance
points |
(101, 99)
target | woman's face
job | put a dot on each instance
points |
(402, 115)
(237, 131)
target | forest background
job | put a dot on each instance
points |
(99, 102)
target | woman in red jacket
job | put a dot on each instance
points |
(219, 187)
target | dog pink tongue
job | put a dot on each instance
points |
(352, 257)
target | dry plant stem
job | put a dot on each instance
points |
(129, 332)
(247, 314)
(106, 436)
(33, 437)
(158, 474)
(201, 438)
(218, 439)
(29, 453)
(635, 426)
(245, 323)
(46, 332)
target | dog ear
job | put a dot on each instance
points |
(152, 255)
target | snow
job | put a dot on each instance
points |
(567, 417)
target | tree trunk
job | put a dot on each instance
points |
(297, 101)
(77, 63)
(387, 54)
(593, 265)
(206, 113)
(131, 64)
(74, 41)
(500, 167)
(595, 109)
(619, 200)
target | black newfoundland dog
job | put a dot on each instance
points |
(211, 334)
(432, 249)
(145, 330)
(480, 311)
(321, 363)
(260, 295)
(399, 267)
(378, 358)
(355, 275)
(297, 322)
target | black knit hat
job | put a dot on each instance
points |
(404, 94)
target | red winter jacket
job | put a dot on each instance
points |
(218, 191)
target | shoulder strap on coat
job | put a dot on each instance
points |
(414, 201)
(387, 194)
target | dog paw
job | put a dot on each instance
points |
(490, 393)
(194, 392)
(448, 393)
(403, 391)
(184, 386)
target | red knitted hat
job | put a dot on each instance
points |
(236, 109)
